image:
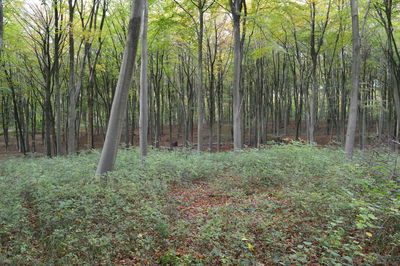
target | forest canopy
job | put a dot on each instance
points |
(249, 132)
(218, 72)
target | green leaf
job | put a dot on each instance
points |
(349, 259)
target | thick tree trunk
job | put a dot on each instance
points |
(355, 72)
(114, 129)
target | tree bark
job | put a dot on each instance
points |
(143, 117)
(114, 129)
(355, 72)
(72, 102)
(200, 100)
(236, 8)
(1, 25)
(57, 77)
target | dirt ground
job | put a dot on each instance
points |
(322, 139)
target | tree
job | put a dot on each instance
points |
(285, 63)
(385, 10)
(236, 10)
(143, 119)
(76, 87)
(355, 73)
(39, 26)
(73, 94)
(202, 6)
(58, 35)
(109, 152)
(315, 48)
(1, 24)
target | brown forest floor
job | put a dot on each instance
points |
(199, 203)
(322, 139)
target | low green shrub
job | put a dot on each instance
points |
(285, 204)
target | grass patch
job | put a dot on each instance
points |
(286, 204)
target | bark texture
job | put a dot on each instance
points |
(143, 119)
(118, 108)
(355, 73)
(236, 8)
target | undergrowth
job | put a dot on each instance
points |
(284, 204)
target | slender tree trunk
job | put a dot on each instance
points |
(5, 119)
(17, 117)
(343, 99)
(71, 112)
(1, 25)
(114, 129)
(26, 122)
(143, 117)
(73, 128)
(135, 103)
(169, 115)
(47, 113)
(355, 72)
(33, 127)
(314, 86)
(219, 103)
(363, 120)
(200, 100)
(236, 7)
(126, 135)
(57, 77)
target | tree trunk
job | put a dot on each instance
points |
(73, 129)
(5, 119)
(236, 7)
(355, 71)
(1, 25)
(57, 77)
(114, 129)
(33, 127)
(200, 100)
(143, 116)
(71, 112)
(17, 116)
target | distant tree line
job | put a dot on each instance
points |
(258, 66)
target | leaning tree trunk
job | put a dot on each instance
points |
(143, 119)
(355, 70)
(114, 129)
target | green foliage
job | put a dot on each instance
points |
(281, 205)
